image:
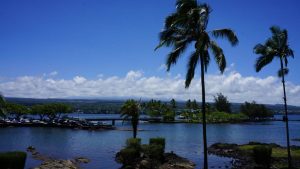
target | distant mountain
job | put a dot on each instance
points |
(113, 106)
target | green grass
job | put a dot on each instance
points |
(282, 153)
(277, 152)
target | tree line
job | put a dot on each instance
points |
(48, 111)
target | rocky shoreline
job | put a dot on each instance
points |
(171, 161)
(50, 163)
(242, 154)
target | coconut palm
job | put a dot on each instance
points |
(277, 47)
(187, 26)
(130, 111)
(2, 106)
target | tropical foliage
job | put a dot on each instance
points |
(155, 108)
(278, 47)
(131, 111)
(187, 26)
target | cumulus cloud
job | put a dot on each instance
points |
(135, 84)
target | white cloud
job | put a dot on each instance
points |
(136, 85)
(79, 79)
(54, 73)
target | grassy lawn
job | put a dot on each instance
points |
(277, 152)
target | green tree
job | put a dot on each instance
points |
(254, 110)
(51, 110)
(39, 110)
(221, 103)
(188, 105)
(168, 112)
(188, 26)
(153, 108)
(194, 105)
(2, 106)
(130, 110)
(16, 109)
(277, 47)
(173, 104)
(61, 108)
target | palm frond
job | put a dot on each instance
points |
(170, 36)
(206, 59)
(184, 6)
(263, 61)
(285, 61)
(173, 56)
(226, 33)
(275, 30)
(290, 52)
(260, 49)
(219, 55)
(193, 60)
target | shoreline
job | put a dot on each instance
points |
(242, 156)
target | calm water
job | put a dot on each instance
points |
(101, 146)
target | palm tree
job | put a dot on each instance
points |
(185, 27)
(130, 110)
(277, 47)
(2, 106)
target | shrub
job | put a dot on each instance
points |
(154, 152)
(158, 141)
(262, 155)
(134, 143)
(13, 160)
(128, 156)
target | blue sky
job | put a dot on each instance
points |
(111, 38)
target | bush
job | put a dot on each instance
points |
(158, 141)
(12, 160)
(154, 152)
(134, 143)
(262, 155)
(128, 156)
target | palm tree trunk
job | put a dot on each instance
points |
(286, 117)
(134, 127)
(203, 113)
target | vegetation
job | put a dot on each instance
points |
(156, 108)
(158, 141)
(131, 111)
(277, 47)
(253, 110)
(13, 160)
(216, 117)
(222, 104)
(2, 106)
(188, 26)
(16, 109)
(262, 155)
(247, 154)
(51, 111)
(132, 153)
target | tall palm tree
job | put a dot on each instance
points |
(130, 111)
(277, 47)
(2, 106)
(187, 26)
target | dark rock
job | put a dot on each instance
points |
(82, 160)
